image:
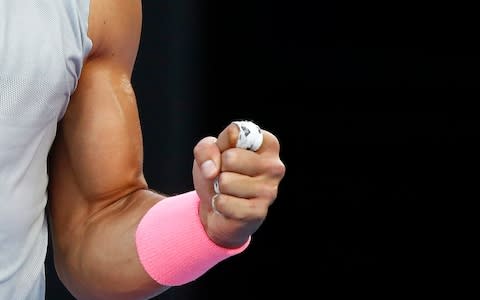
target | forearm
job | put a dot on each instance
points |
(97, 258)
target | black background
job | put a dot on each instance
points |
(374, 104)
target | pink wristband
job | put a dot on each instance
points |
(172, 244)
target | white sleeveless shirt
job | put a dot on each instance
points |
(43, 44)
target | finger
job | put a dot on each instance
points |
(241, 186)
(240, 209)
(251, 163)
(229, 137)
(270, 143)
(207, 157)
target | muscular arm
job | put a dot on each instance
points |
(98, 193)
(97, 190)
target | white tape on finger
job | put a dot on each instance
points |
(250, 136)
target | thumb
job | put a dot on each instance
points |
(206, 167)
(207, 157)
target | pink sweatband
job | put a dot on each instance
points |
(172, 244)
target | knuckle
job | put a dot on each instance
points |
(277, 169)
(270, 192)
(273, 139)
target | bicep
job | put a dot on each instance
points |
(101, 133)
(98, 155)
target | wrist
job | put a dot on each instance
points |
(172, 243)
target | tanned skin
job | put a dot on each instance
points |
(98, 192)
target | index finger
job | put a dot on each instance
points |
(229, 137)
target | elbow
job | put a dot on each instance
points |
(87, 281)
(96, 259)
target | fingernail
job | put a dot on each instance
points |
(209, 169)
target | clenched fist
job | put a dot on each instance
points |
(248, 184)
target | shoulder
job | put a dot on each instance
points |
(114, 26)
